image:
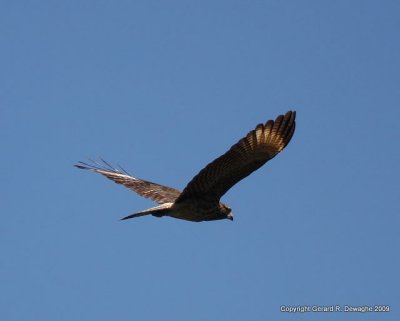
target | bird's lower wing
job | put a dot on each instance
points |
(247, 155)
(156, 192)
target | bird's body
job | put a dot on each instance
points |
(200, 200)
(190, 211)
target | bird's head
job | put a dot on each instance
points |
(226, 211)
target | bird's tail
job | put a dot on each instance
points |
(158, 211)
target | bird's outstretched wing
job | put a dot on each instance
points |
(158, 193)
(247, 155)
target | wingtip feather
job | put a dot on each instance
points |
(82, 165)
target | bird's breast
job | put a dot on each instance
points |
(195, 210)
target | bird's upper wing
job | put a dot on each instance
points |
(158, 193)
(243, 158)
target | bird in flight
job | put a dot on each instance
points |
(200, 199)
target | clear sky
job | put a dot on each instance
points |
(162, 88)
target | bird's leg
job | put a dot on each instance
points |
(157, 214)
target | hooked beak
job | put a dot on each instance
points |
(230, 216)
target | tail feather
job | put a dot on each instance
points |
(158, 211)
(134, 215)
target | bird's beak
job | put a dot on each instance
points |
(230, 216)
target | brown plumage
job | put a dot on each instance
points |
(200, 199)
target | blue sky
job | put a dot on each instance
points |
(162, 88)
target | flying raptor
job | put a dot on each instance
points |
(200, 199)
